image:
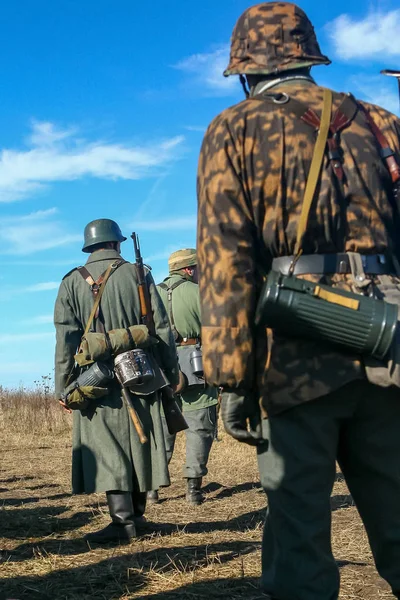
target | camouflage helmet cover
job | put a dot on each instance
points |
(101, 231)
(273, 37)
(182, 259)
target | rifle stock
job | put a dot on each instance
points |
(173, 415)
(134, 416)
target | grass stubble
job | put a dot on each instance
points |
(211, 551)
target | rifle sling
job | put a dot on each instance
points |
(315, 169)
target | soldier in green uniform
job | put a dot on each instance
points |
(180, 295)
(107, 454)
(322, 404)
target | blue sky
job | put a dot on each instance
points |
(103, 108)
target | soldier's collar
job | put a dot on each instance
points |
(99, 255)
(266, 85)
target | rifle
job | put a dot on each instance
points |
(173, 416)
(133, 414)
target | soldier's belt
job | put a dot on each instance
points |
(374, 264)
(295, 307)
(188, 342)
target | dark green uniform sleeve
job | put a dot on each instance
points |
(166, 347)
(68, 335)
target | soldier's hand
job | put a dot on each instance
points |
(65, 407)
(236, 409)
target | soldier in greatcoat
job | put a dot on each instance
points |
(107, 454)
(322, 404)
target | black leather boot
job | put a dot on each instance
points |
(194, 495)
(152, 497)
(139, 507)
(122, 528)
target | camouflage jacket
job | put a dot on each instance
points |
(253, 168)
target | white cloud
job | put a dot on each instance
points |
(205, 71)
(172, 224)
(43, 287)
(40, 230)
(10, 291)
(45, 133)
(59, 155)
(375, 36)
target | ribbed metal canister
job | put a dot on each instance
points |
(290, 306)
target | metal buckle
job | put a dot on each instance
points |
(281, 98)
(293, 264)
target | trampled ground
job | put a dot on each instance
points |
(212, 551)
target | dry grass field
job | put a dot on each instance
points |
(212, 551)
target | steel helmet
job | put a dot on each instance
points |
(272, 37)
(99, 231)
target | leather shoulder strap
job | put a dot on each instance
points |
(341, 119)
(95, 285)
(169, 289)
(110, 270)
(86, 275)
(387, 154)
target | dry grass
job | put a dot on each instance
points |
(212, 551)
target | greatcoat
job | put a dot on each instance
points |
(107, 453)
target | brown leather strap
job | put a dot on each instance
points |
(386, 152)
(188, 342)
(111, 269)
(86, 275)
(94, 285)
(344, 114)
(342, 118)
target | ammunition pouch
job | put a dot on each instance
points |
(103, 346)
(79, 397)
(298, 308)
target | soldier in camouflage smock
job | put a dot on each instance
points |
(107, 454)
(180, 295)
(253, 168)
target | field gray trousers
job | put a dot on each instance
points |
(359, 426)
(199, 438)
